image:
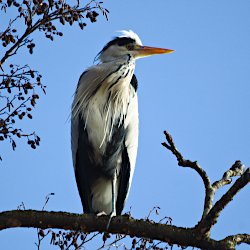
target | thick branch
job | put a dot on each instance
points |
(120, 224)
(238, 239)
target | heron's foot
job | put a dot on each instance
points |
(101, 214)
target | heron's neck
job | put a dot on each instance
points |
(123, 58)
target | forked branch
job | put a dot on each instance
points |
(211, 212)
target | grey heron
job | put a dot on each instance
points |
(104, 125)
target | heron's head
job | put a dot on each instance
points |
(128, 43)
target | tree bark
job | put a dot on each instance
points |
(119, 225)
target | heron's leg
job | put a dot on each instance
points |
(113, 211)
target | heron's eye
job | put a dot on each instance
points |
(130, 46)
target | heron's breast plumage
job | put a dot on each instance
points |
(107, 106)
(108, 109)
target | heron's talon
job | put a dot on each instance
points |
(101, 214)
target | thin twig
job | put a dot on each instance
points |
(194, 165)
(113, 243)
(47, 200)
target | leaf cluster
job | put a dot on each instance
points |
(20, 84)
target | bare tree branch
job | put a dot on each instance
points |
(236, 170)
(194, 165)
(119, 225)
(211, 212)
(206, 223)
(238, 239)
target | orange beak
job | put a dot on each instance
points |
(142, 51)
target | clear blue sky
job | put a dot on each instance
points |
(200, 94)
